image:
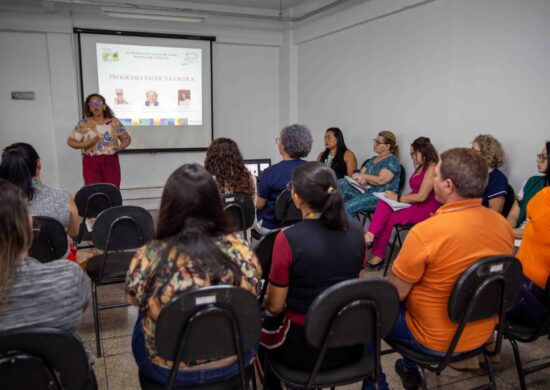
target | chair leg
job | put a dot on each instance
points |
(423, 378)
(97, 321)
(519, 367)
(490, 372)
(390, 255)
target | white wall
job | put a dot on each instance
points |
(39, 55)
(448, 70)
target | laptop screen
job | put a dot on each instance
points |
(257, 166)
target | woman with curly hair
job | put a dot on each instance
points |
(225, 163)
(294, 143)
(100, 136)
(491, 149)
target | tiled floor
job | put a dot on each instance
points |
(116, 369)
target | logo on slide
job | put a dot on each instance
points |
(110, 57)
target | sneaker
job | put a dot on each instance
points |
(410, 377)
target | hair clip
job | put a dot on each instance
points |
(330, 190)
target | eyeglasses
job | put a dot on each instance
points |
(289, 186)
(541, 157)
(277, 140)
(95, 104)
(376, 142)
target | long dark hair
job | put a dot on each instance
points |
(225, 162)
(316, 185)
(340, 144)
(190, 216)
(107, 113)
(19, 164)
(15, 233)
(424, 146)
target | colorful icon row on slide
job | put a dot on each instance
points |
(154, 121)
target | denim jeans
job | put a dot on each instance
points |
(531, 307)
(161, 374)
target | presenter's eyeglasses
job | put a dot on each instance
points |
(541, 157)
(95, 104)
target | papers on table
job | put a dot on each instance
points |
(395, 205)
(359, 187)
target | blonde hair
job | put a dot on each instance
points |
(390, 139)
(491, 149)
(15, 233)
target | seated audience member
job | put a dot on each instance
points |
(33, 294)
(192, 249)
(421, 197)
(531, 307)
(516, 216)
(21, 165)
(294, 144)
(381, 173)
(226, 165)
(337, 155)
(323, 249)
(495, 193)
(437, 251)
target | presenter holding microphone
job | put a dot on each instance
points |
(100, 136)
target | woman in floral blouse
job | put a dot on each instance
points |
(192, 249)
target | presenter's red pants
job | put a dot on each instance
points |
(101, 169)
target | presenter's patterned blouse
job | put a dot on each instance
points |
(108, 134)
(159, 272)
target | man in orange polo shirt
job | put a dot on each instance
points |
(531, 308)
(435, 254)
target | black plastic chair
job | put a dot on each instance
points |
(241, 212)
(487, 289)
(49, 240)
(90, 201)
(514, 332)
(264, 252)
(398, 229)
(42, 358)
(285, 210)
(508, 200)
(353, 312)
(208, 323)
(118, 232)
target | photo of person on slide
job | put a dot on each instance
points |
(100, 136)
(184, 97)
(119, 99)
(151, 99)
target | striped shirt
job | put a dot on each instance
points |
(50, 295)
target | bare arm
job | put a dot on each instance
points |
(276, 298)
(384, 177)
(74, 220)
(497, 204)
(260, 202)
(403, 287)
(513, 215)
(351, 162)
(81, 144)
(125, 141)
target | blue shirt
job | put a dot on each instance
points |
(272, 182)
(497, 186)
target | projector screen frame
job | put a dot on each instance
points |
(78, 31)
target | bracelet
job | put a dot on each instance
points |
(399, 197)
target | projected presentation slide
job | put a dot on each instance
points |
(151, 86)
(158, 86)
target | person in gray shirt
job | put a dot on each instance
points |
(33, 294)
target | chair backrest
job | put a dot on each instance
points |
(42, 359)
(508, 200)
(264, 252)
(122, 228)
(485, 288)
(402, 178)
(333, 316)
(94, 198)
(49, 239)
(197, 322)
(240, 211)
(285, 209)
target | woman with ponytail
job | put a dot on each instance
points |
(323, 249)
(192, 249)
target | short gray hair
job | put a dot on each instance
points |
(297, 140)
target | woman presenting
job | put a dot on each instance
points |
(100, 136)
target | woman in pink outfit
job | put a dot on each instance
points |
(421, 197)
